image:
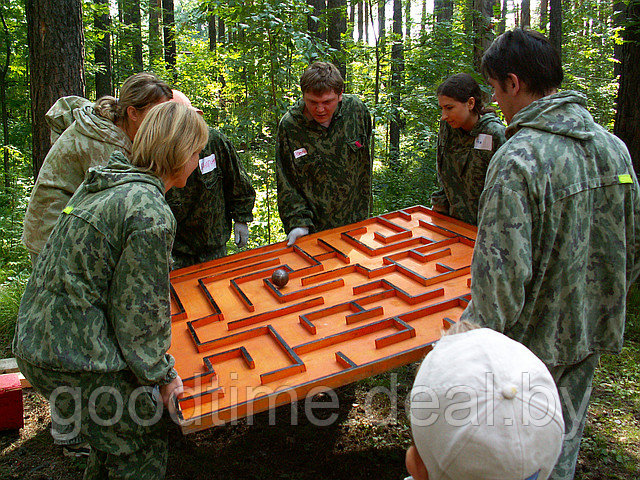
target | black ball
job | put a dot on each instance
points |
(280, 277)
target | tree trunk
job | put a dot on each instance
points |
(315, 25)
(56, 61)
(407, 21)
(502, 24)
(221, 31)
(423, 18)
(360, 21)
(155, 37)
(380, 48)
(3, 101)
(169, 30)
(555, 24)
(619, 14)
(336, 26)
(132, 36)
(525, 13)
(102, 51)
(627, 124)
(544, 14)
(482, 33)
(211, 28)
(443, 10)
(397, 70)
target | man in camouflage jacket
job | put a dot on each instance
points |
(96, 315)
(462, 166)
(216, 193)
(323, 165)
(559, 227)
(80, 139)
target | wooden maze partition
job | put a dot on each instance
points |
(362, 299)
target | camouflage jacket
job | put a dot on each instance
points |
(324, 174)
(559, 234)
(205, 207)
(98, 298)
(462, 165)
(82, 140)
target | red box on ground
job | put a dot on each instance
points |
(11, 417)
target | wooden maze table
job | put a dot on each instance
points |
(362, 299)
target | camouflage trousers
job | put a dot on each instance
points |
(182, 260)
(574, 385)
(121, 420)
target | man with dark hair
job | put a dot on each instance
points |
(323, 165)
(558, 228)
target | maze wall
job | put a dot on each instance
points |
(361, 299)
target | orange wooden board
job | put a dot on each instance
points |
(362, 299)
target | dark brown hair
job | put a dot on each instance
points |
(321, 77)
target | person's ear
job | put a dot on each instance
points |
(513, 83)
(471, 103)
(133, 113)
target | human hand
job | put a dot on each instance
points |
(295, 234)
(240, 234)
(171, 390)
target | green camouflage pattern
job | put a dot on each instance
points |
(558, 234)
(330, 185)
(82, 140)
(574, 384)
(131, 440)
(98, 298)
(462, 168)
(205, 207)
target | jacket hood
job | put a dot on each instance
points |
(71, 109)
(118, 171)
(484, 120)
(562, 113)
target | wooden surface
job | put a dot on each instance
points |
(361, 299)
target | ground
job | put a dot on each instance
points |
(366, 440)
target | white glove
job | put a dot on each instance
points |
(295, 234)
(240, 234)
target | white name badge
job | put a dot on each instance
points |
(483, 142)
(208, 163)
(301, 152)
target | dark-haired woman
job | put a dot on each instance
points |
(469, 136)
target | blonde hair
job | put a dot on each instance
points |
(168, 136)
(461, 326)
(138, 91)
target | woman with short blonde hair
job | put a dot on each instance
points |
(95, 315)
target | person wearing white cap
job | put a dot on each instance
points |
(483, 407)
(218, 192)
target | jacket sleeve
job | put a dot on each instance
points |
(439, 200)
(501, 267)
(292, 207)
(240, 196)
(139, 305)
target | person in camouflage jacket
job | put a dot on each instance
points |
(95, 314)
(218, 191)
(558, 240)
(84, 135)
(323, 165)
(469, 136)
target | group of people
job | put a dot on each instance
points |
(135, 186)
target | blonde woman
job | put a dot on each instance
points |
(94, 322)
(85, 135)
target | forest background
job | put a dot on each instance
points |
(240, 62)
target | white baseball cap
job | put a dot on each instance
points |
(484, 407)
